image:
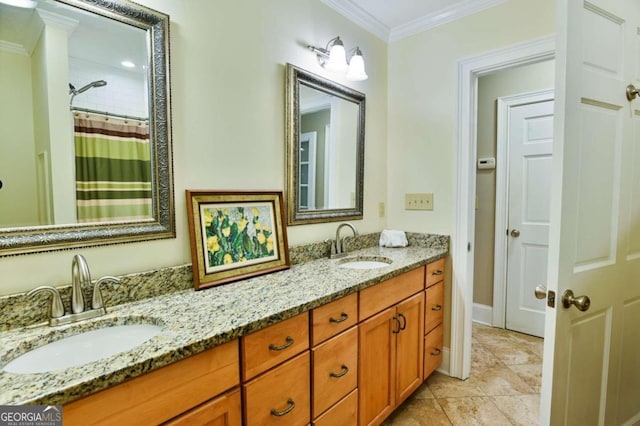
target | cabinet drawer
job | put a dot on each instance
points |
(344, 413)
(379, 297)
(225, 410)
(434, 307)
(268, 347)
(335, 370)
(280, 396)
(330, 319)
(162, 394)
(432, 351)
(435, 272)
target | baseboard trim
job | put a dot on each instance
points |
(482, 314)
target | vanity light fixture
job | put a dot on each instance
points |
(334, 58)
(27, 4)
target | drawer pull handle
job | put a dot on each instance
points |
(287, 410)
(343, 317)
(404, 321)
(289, 342)
(436, 352)
(343, 372)
(437, 308)
(437, 272)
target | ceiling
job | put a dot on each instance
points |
(392, 20)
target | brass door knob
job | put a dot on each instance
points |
(515, 233)
(541, 292)
(581, 302)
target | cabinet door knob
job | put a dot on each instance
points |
(341, 373)
(437, 308)
(289, 342)
(287, 410)
(436, 352)
(343, 317)
(437, 272)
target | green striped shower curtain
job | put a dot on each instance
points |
(113, 169)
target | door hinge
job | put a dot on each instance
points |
(551, 299)
(468, 246)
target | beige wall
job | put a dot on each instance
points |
(17, 155)
(227, 64)
(422, 108)
(490, 87)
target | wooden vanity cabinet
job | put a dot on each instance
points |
(164, 394)
(390, 344)
(433, 318)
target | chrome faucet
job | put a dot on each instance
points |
(340, 249)
(80, 276)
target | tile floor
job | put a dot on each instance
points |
(504, 387)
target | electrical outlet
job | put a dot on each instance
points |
(420, 201)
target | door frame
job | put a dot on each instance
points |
(469, 70)
(505, 103)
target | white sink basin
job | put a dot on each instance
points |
(365, 263)
(82, 348)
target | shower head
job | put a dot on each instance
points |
(97, 83)
(74, 92)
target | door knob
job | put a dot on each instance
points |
(581, 302)
(541, 292)
(515, 233)
(632, 92)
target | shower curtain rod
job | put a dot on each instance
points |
(108, 114)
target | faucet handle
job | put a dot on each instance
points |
(57, 308)
(332, 250)
(96, 300)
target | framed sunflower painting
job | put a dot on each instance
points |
(236, 235)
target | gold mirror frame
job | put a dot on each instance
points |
(294, 77)
(49, 238)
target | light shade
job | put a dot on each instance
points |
(337, 57)
(27, 4)
(356, 70)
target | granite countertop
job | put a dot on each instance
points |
(194, 321)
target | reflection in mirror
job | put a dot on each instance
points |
(85, 153)
(325, 149)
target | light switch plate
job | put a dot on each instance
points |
(418, 201)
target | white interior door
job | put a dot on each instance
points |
(591, 370)
(530, 146)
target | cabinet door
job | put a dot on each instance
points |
(225, 410)
(377, 354)
(432, 350)
(409, 346)
(434, 307)
(281, 396)
(435, 272)
(335, 370)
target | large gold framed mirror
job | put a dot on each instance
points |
(85, 151)
(324, 162)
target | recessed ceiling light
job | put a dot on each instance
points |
(128, 64)
(29, 4)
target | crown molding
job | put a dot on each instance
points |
(16, 48)
(360, 17)
(364, 19)
(442, 16)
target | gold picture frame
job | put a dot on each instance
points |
(236, 235)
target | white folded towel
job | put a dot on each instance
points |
(393, 238)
